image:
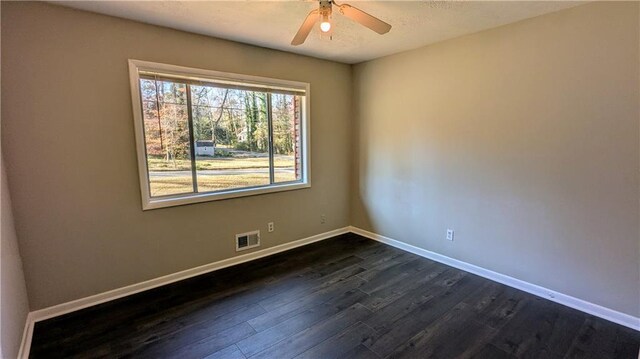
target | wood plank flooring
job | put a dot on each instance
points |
(346, 297)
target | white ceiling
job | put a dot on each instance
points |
(273, 24)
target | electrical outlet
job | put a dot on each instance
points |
(450, 234)
(270, 226)
(323, 219)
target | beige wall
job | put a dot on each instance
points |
(524, 139)
(14, 305)
(67, 134)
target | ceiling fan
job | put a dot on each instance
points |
(323, 13)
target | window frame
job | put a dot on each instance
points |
(195, 74)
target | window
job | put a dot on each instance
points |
(205, 135)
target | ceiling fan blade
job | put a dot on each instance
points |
(305, 28)
(365, 19)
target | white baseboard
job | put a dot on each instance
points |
(27, 334)
(64, 308)
(564, 299)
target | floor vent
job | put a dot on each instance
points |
(247, 240)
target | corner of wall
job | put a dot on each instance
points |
(14, 310)
(353, 160)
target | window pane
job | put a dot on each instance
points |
(166, 137)
(231, 138)
(148, 90)
(286, 137)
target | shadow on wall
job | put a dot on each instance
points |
(13, 291)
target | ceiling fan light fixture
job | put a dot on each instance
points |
(325, 24)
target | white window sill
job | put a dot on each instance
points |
(184, 199)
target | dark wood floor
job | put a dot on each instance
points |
(347, 297)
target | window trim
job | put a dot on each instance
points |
(148, 202)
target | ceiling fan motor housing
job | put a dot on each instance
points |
(325, 7)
